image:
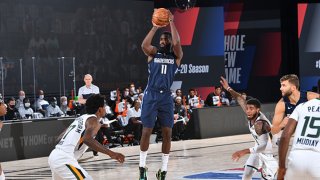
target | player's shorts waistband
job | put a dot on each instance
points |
(159, 90)
(66, 153)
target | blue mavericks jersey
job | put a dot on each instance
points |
(162, 69)
(290, 107)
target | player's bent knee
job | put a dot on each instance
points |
(248, 172)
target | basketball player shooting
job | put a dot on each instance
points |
(261, 154)
(157, 103)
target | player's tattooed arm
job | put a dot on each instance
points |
(262, 127)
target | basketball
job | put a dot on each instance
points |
(160, 17)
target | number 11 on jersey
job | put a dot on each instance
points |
(163, 69)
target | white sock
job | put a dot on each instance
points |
(143, 158)
(2, 176)
(165, 159)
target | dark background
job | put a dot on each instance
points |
(105, 37)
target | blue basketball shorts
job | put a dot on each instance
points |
(157, 105)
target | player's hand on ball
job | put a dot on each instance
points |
(117, 156)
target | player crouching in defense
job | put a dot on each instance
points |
(261, 154)
(76, 140)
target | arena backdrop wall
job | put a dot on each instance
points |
(102, 38)
(309, 45)
(225, 121)
(32, 139)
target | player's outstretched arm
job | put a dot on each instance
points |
(235, 94)
(284, 146)
(279, 120)
(177, 49)
(92, 127)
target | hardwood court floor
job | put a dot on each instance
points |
(191, 159)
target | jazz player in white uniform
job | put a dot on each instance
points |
(76, 140)
(261, 155)
(304, 157)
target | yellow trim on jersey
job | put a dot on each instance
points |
(76, 172)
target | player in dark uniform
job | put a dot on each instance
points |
(292, 97)
(157, 101)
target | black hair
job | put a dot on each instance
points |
(52, 99)
(255, 102)
(134, 103)
(167, 34)
(192, 90)
(94, 102)
(11, 99)
(26, 100)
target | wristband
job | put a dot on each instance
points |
(229, 88)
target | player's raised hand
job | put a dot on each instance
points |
(117, 156)
(224, 82)
(171, 17)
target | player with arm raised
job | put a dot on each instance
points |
(261, 154)
(157, 101)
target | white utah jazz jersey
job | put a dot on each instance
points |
(307, 134)
(71, 142)
(257, 138)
